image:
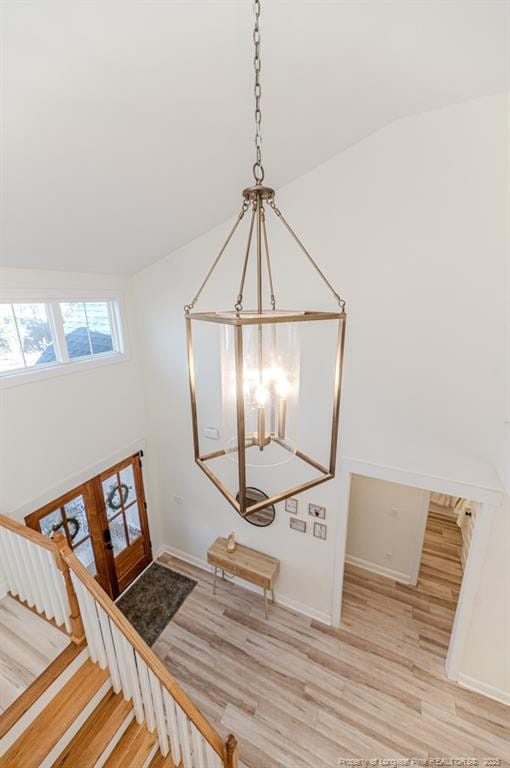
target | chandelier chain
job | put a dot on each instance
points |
(258, 169)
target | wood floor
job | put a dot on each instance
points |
(299, 694)
(28, 644)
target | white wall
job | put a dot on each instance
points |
(485, 665)
(409, 224)
(55, 429)
(386, 527)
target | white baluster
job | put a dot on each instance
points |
(146, 693)
(157, 699)
(96, 628)
(63, 596)
(18, 559)
(171, 718)
(55, 575)
(85, 617)
(49, 599)
(134, 682)
(35, 581)
(182, 722)
(121, 662)
(110, 650)
(199, 758)
(213, 759)
(10, 573)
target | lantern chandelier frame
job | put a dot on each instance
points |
(257, 199)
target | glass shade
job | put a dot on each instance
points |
(271, 354)
(286, 368)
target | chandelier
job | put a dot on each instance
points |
(253, 364)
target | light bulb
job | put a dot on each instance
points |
(261, 395)
(282, 387)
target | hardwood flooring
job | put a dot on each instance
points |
(299, 694)
(28, 644)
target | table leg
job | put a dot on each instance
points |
(214, 581)
(265, 604)
(272, 595)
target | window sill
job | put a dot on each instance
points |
(33, 375)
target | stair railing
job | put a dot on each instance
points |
(45, 575)
(158, 700)
(37, 576)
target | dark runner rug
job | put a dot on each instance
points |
(152, 600)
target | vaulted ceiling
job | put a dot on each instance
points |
(128, 125)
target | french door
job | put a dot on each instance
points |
(105, 523)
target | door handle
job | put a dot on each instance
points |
(107, 538)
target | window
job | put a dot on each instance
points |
(87, 327)
(39, 334)
(25, 336)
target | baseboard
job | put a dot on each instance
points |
(402, 578)
(486, 690)
(286, 602)
(4, 588)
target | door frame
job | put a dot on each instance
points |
(92, 492)
(489, 500)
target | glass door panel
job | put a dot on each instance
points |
(114, 493)
(134, 525)
(85, 553)
(71, 518)
(76, 520)
(51, 522)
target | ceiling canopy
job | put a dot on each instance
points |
(128, 126)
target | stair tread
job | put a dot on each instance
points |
(87, 746)
(158, 761)
(133, 748)
(37, 741)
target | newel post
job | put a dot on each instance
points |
(231, 752)
(77, 631)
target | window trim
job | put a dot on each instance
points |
(63, 364)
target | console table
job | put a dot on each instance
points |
(245, 563)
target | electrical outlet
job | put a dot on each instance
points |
(388, 557)
(212, 433)
(394, 512)
(178, 499)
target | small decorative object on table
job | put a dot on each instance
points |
(231, 542)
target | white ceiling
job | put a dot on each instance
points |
(128, 124)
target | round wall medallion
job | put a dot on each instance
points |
(262, 517)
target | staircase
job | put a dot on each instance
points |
(112, 704)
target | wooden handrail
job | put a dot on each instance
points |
(27, 533)
(150, 658)
(66, 561)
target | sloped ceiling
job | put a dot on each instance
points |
(128, 124)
